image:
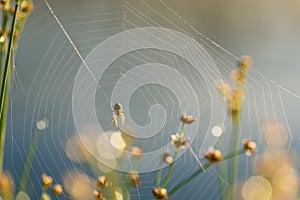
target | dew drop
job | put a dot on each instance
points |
(42, 124)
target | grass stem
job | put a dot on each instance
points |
(4, 94)
(232, 164)
(200, 170)
(167, 177)
(222, 174)
(28, 160)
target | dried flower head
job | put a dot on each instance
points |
(160, 193)
(46, 180)
(45, 196)
(238, 76)
(6, 185)
(98, 195)
(224, 88)
(187, 119)
(234, 102)
(57, 189)
(214, 155)
(26, 7)
(3, 2)
(12, 10)
(244, 63)
(102, 182)
(178, 141)
(136, 152)
(249, 146)
(134, 178)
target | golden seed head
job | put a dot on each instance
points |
(214, 155)
(57, 189)
(238, 76)
(6, 183)
(136, 152)
(155, 191)
(163, 191)
(244, 63)
(134, 178)
(249, 146)
(26, 7)
(12, 10)
(160, 193)
(2, 3)
(187, 119)
(98, 195)
(46, 180)
(102, 182)
(45, 196)
(234, 102)
(223, 88)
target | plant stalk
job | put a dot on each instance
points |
(28, 161)
(200, 170)
(167, 177)
(232, 164)
(3, 126)
(222, 171)
(5, 86)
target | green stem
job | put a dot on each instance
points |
(3, 129)
(169, 170)
(200, 170)
(5, 86)
(158, 177)
(221, 167)
(232, 164)
(181, 131)
(28, 160)
(7, 61)
(167, 177)
(188, 179)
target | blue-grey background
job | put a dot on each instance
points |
(46, 64)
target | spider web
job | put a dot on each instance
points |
(62, 35)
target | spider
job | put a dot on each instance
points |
(117, 112)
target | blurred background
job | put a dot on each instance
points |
(47, 62)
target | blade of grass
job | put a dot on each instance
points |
(3, 127)
(232, 164)
(28, 160)
(200, 170)
(222, 172)
(167, 177)
(158, 177)
(4, 86)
